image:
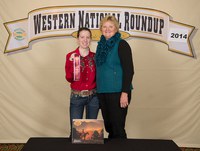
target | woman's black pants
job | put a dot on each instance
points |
(114, 116)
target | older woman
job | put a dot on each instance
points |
(115, 71)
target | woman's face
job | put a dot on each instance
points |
(84, 39)
(108, 29)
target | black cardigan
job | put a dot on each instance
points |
(125, 55)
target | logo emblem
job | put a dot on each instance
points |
(19, 34)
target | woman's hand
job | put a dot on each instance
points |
(124, 100)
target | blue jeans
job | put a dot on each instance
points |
(78, 103)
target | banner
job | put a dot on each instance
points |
(66, 20)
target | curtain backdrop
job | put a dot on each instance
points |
(34, 95)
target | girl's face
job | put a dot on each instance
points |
(84, 39)
(108, 29)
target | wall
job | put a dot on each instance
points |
(34, 94)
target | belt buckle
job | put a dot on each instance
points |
(84, 93)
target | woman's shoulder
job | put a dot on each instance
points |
(123, 42)
(124, 45)
(70, 55)
(72, 52)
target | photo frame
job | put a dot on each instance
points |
(88, 131)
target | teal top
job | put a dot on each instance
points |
(109, 73)
(114, 65)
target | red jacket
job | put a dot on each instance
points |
(87, 71)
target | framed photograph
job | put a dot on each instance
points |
(88, 131)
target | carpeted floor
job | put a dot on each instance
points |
(11, 147)
(18, 147)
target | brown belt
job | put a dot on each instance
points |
(83, 93)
